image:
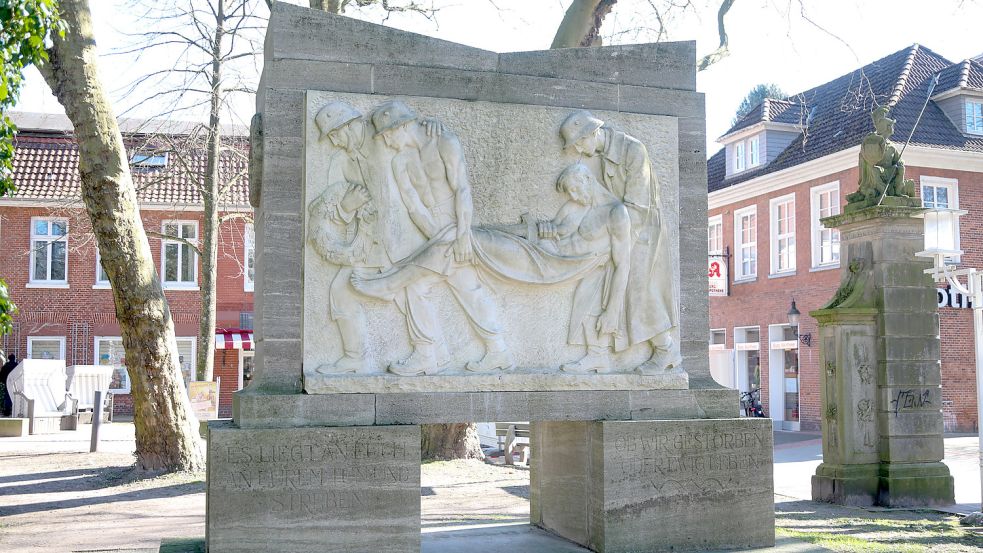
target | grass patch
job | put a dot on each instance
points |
(884, 535)
(848, 544)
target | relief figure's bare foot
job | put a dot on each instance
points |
(492, 361)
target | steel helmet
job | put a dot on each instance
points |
(390, 115)
(335, 115)
(578, 125)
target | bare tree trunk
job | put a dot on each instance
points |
(166, 430)
(330, 6)
(450, 441)
(210, 197)
(581, 25)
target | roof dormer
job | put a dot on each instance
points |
(761, 135)
(959, 94)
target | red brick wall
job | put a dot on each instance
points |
(51, 311)
(765, 301)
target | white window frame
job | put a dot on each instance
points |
(754, 151)
(818, 230)
(739, 274)
(973, 112)
(61, 345)
(775, 238)
(33, 280)
(721, 332)
(164, 242)
(95, 359)
(740, 163)
(715, 222)
(249, 243)
(100, 284)
(194, 353)
(242, 355)
(952, 190)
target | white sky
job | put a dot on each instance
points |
(770, 41)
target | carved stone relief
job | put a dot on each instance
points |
(396, 222)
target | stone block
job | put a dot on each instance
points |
(13, 427)
(283, 172)
(322, 75)
(258, 409)
(853, 484)
(721, 403)
(909, 348)
(922, 299)
(652, 485)
(302, 33)
(911, 423)
(662, 65)
(909, 373)
(903, 274)
(283, 114)
(905, 324)
(278, 365)
(900, 399)
(915, 485)
(313, 489)
(660, 101)
(911, 449)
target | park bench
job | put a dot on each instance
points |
(37, 389)
(83, 381)
(513, 436)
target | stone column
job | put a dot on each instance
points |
(881, 389)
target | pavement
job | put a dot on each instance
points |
(55, 496)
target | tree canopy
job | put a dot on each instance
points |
(755, 97)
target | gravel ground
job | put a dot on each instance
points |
(57, 497)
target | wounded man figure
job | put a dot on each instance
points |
(588, 239)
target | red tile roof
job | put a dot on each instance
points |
(46, 168)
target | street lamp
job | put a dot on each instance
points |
(793, 315)
(941, 244)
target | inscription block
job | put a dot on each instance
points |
(653, 485)
(313, 489)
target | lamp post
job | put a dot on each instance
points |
(941, 244)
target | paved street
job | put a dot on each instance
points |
(55, 496)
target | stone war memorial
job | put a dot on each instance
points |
(449, 235)
(881, 387)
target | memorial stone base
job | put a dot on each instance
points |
(640, 486)
(324, 489)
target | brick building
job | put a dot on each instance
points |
(790, 162)
(50, 261)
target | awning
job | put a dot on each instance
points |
(233, 338)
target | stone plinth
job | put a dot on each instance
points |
(881, 385)
(516, 380)
(313, 489)
(654, 485)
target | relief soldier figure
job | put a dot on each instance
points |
(343, 227)
(626, 172)
(432, 179)
(881, 168)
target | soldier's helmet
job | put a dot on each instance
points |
(390, 115)
(578, 125)
(333, 116)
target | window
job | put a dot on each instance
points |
(186, 358)
(247, 363)
(148, 160)
(783, 234)
(943, 193)
(102, 279)
(718, 339)
(179, 261)
(754, 152)
(825, 242)
(974, 117)
(46, 347)
(249, 267)
(715, 236)
(746, 243)
(109, 351)
(739, 161)
(746, 153)
(49, 251)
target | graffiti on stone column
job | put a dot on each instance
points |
(911, 399)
